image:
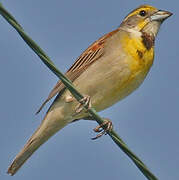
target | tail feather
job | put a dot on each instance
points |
(24, 154)
(48, 127)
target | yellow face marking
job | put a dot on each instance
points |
(142, 23)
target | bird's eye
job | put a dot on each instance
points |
(142, 13)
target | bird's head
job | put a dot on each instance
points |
(145, 19)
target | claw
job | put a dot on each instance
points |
(86, 101)
(107, 125)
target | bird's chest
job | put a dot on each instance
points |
(139, 60)
(139, 57)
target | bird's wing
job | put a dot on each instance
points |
(89, 56)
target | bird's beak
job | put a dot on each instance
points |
(160, 15)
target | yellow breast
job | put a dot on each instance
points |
(142, 58)
(139, 60)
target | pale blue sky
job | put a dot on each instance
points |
(147, 120)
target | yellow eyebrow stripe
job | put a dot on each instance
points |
(136, 11)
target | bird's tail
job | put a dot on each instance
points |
(49, 126)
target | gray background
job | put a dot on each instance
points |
(147, 120)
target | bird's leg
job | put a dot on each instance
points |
(103, 128)
(86, 101)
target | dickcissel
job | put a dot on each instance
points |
(107, 71)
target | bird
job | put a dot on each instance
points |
(107, 71)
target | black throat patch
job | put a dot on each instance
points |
(148, 40)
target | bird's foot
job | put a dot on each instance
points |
(86, 101)
(103, 128)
